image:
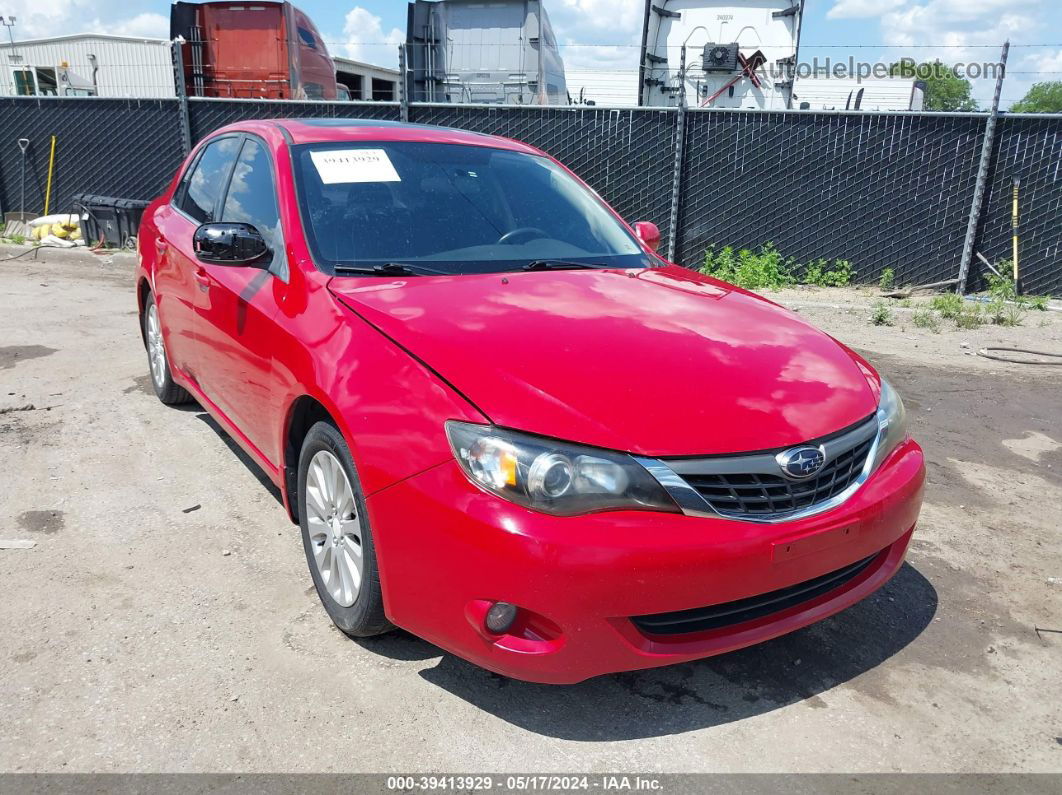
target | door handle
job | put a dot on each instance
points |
(160, 244)
(203, 278)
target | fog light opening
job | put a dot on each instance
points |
(500, 617)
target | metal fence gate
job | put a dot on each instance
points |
(880, 190)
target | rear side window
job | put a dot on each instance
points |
(307, 38)
(206, 180)
(252, 197)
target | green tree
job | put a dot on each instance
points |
(945, 90)
(1042, 98)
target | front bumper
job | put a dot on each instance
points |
(447, 549)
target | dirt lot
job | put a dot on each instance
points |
(165, 620)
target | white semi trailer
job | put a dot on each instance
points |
(738, 54)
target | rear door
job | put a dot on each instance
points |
(234, 326)
(177, 277)
(249, 55)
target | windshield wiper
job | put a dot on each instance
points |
(559, 265)
(388, 269)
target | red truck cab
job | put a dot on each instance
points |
(267, 50)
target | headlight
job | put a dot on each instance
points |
(554, 477)
(892, 422)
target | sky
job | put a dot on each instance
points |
(605, 34)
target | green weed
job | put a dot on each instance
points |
(881, 315)
(927, 318)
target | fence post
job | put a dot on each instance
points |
(680, 152)
(403, 81)
(982, 177)
(182, 94)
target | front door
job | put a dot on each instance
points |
(177, 272)
(234, 327)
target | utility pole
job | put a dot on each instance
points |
(982, 176)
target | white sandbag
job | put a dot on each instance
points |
(66, 219)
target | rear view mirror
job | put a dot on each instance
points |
(648, 233)
(229, 244)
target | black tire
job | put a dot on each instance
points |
(365, 617)
(165, 389)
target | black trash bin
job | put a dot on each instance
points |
(130, 212)
(108, 220)
(98, 218)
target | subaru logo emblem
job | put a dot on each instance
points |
(801, 462)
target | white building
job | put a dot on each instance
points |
(87, 64)
(367, 82)
(608, 88)
(823, 92)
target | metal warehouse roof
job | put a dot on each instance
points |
(76, 36)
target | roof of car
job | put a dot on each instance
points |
(309, 131)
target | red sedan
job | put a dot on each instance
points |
(502, 421)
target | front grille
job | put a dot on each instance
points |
(700, 619)
(758, 493)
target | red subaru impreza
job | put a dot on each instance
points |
(503, 422)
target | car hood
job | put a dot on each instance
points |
(661, 362)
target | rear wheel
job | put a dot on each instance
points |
(336, 535)
(158, 363)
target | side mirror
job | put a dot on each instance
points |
(648, 233)
(229, 244)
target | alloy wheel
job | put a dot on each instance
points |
(334, 528)
(156, 349)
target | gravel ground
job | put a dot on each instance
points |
(165, 621)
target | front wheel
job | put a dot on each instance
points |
(336, 535)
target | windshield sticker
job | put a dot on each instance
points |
(354, 165)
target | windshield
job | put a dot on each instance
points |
(453, 208)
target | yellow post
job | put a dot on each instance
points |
(51, 169)
(1014, 233)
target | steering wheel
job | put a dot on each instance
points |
(524, 232)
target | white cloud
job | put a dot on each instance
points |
(365, 39)
(1038, 66)
(953, 31)
(43, 18)
(861, 9)
(612, 15)
(150, 26)
(600, 42)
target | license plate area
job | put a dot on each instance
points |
(827, 539)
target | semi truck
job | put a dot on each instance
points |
(259, 50)
(738, 53)
(500, 53)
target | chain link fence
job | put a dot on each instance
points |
(1027, 149)
(128, 148)
(207, 115)
(880, 190)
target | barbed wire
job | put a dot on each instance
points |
(614, 70)
(636, 46)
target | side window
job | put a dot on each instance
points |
(25, 84)
(252, 197)
(203, 185)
